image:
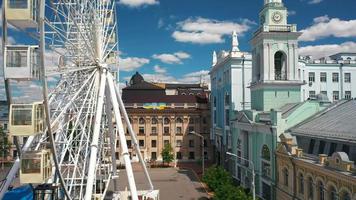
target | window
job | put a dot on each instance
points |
(191, 121)
(17, 4)
(191, 143)
(336, 95)
(322, 76)
(266, 165)
(332, 148)
(5, 126)
(301, 183)
(153, 130)
(179, 130)
(154, 143)
(335, 77)
(280, 65)
(154, 121)
(346, 148)
(21, 115)
(227, 117)
(117, 155)
(311, 76)
(166, 142)
(204, 120)
(141, 130)
(166, 121)
(128, 142)
(215, 117)
(191, 129)
(153, 155)
(141, 143)
(285, 176)
(321, 191)
(191, 155)
(347, 78)
(214, 102)
(178, 143)
(345, 196)
(312, 94)
(310, 188)
(321, 147)
(324, 93)
(311, 146)
(166, 130)
(16, 58)
(179, 120)
(205, 143)
(227, 99)
(333, 194)
(347, 95)
(141, 121)
(179, 155)
(14, 153)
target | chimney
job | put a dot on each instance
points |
(299, 152)
(323, 158)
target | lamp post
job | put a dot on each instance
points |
(202, 146)
(253, 171)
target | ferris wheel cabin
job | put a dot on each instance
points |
(26, 119)
(22, 62)
(36, 167)
(22, 13)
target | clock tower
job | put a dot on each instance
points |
(275, 77)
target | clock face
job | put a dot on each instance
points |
(277, 17)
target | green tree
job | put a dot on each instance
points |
(167, 154)
(230, 192)
(5, 145)
(216, 176)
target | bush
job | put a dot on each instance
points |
(230, 192)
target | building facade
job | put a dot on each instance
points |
(303, 176)
(230, 76)
(163, 114)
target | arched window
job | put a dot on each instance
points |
(285, 176)
(141, 121)
(332, 193)
(301, 183)
(154, 121)
(179, 120)
(345, 196)
(280, 66)
(310, 188)
(266, 153)
(166, 121)
(321, 195)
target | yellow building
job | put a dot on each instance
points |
(166, 114)
(309, 177)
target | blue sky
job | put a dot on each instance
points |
(173, 40)
(150, 28)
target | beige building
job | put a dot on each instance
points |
(166, 114)
(307, 177)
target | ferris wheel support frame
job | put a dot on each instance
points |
(125, 151)
(133, 137)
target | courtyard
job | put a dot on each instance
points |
(173, 184)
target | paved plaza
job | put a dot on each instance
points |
(173, 184)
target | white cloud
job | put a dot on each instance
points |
(193, 77)
(132, 63)
(207, 31)
(175, 58)
(159, 69)
(292, 12)
(319, 51)
(315, 1)
(138, 3)
(325, 27)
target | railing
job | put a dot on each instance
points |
(280, 76)
(277, 28)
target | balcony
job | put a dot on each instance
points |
(280, 76)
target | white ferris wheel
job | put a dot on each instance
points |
(72, 133)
